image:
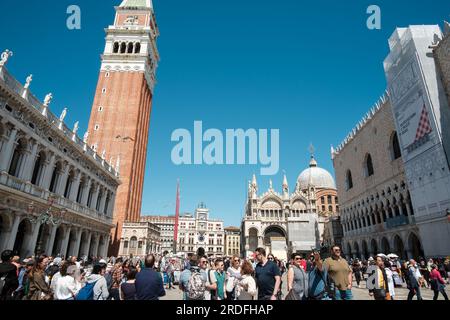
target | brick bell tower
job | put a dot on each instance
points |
(120, 116)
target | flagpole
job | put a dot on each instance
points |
(177, 217)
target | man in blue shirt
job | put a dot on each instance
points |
(318, 280)
(268, 276)
(149, 284)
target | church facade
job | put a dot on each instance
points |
(286, 222)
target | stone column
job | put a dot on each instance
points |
(65, 243)
(62, 181)
(103, 201)
(105, 247)
(87, 244)
(28, 164)
(51, 240)
(31, 245)
(7, 151)
(94, 239)
(48, 172)
(97, 245)
(11, 239)
(76, 248)
(95, 197)
(111, 205)
(75, 186)
(86, 190)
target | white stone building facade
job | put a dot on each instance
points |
(45, 166)
(376, 211)
(139, 239)
(167, 226)
(199, 231)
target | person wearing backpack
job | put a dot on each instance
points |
(193, 281)
(8, 276)
(149, 284)
(96, 287)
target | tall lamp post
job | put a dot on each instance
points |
(50, 216)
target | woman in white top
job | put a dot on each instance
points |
(246, 287)
(233, 277)
(390, 278)
(66, 286)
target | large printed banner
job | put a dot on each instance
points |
(411, 111)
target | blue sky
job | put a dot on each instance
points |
(308, 68)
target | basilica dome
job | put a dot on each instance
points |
(316, 177)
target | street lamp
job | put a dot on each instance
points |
(48, 217)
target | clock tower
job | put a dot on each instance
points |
(120, 116)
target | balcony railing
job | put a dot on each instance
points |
(34, 102)
(396, 222)
(33, 190)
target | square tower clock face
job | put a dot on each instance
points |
(202, 216)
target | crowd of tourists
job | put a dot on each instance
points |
(310, 277)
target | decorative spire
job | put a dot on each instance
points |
(285, 184)
(270, 185)
(446, 28)
(254, 183)
(332, 152)
(253, 187)
(136, 4)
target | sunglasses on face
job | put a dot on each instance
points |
(237, 260)
(298, 258)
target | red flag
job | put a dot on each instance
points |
(177, 217)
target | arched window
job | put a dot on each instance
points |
(349, 180)
(116, 47)
(123, 47)
(395, 147)
(133, 242)
(130, 47)
(38, 168)
(369, 165)
(137, 48)
(17, 158)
